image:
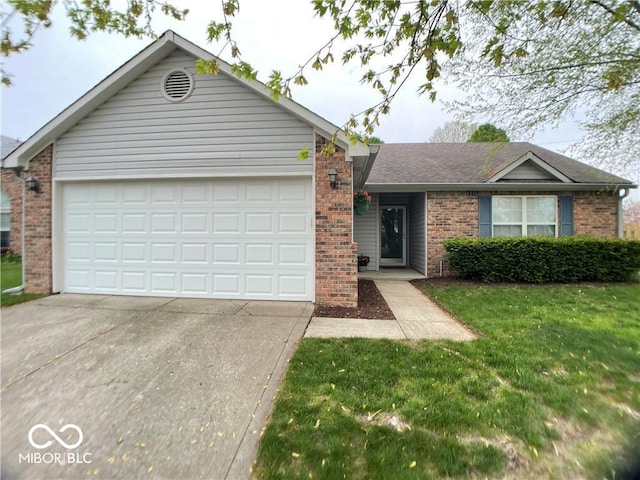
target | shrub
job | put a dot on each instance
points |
(7, 256)
(544, 260)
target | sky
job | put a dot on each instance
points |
(59, 69)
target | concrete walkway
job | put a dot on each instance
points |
(417, 318)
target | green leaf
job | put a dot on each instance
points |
(303, 154)
(204, 67)
(300, 80)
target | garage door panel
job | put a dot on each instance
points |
(79, 280)
(259, 222)
(133, 194)
(134, 282)
(208, 239)
(293, 254)
(164, 253)
(194, 253)
(259, 254)
(164, 223)
(195, 283)
(196, 223)
(106, 252)
(226, 223)
(106, 280)
(259, 285)
(105, 196)
(226, 193)
(164, 283)
(164, 194)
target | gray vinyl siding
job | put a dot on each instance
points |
(417, 232)
(223, 128)
(529, 171)
(365, 233)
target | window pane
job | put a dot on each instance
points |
(5, 222)
(541, 210)
(507, 209)
(507, 231)
(541, 230)
(5, 203)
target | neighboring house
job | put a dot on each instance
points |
(10, 202)
(161, 182)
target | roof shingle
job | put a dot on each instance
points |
(473, 163)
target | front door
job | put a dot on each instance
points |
(393, 238)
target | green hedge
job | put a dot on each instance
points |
(544, 260)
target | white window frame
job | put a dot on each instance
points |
(523, 223)
(5, 209)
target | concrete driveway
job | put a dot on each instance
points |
(139, 387)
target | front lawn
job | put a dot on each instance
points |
(11, 276)
(551, 389)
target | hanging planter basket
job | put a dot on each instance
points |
(361, 201)
(361, 208)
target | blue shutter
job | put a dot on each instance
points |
(484, 215)
(566, 216)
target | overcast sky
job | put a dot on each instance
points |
(59, 69)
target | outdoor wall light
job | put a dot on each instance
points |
(32, 184)
(333, 178)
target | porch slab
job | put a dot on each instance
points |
(391, 274)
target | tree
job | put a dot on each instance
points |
(453, 132)
(524, 63)
(631, 212)
(488, 133)
(372, 140)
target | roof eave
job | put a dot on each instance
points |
(484, 187)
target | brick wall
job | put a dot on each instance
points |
(455, 215)
(596, 214)
(336, 254)
(38, 225)
(449, 215)
(13, 189)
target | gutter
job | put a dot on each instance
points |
(460, 187)
(16, 174)
(621, 197)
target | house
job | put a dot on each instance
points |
(424, 193)
(161, 182)
(10, 202)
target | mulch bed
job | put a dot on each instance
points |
(371, 304)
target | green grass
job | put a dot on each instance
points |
(549, 390)
(11, 276)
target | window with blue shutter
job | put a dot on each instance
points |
(566, 216)
(484, 215)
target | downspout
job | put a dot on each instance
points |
(621, 197)
(19, 289)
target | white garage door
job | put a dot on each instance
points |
(250, 239)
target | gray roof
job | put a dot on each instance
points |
(8, 145)
(470, 163)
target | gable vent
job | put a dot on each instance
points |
(177, 85)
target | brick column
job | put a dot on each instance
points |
(336, 254)
(37, 256)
